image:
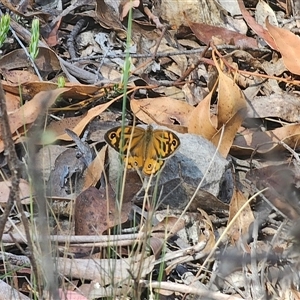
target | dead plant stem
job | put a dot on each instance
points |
(14, 197)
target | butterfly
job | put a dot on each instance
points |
(145, 149)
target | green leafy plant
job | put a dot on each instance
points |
(34, 41)
(4, 27)
(61, 82)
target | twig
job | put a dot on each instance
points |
(73, 239)
(144, 55)
(171, 286)
(194, 66)
(8, 292)
(235, 70)
(12, 161)
(159, 41)
(293, 152)
(42, 230)
(71, 39)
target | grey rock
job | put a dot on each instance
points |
(194, 161)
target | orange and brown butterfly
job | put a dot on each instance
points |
(146, 149)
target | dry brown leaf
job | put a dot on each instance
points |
(230, 97)
(162, 110)
(206, 232)
(280, 181)
(52, 38)
(206, 33)
(228, 134)
(28, 113)
(288, 44)
(92, 113)
(18, 77)
(125, 6)
(231, 110)
(165, 226)
(108, 18)
(200, 121)
(258, 29)
(18, 59)
(95, 169)
(58, 127)
(75, 91)
(96, 211)
(12, 102)
(156, 245)
(241, 225)
(267, 141)
(24, 191)
(29, 89)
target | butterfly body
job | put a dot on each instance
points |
(143, 148)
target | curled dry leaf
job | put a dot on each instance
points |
(156, 244)
(126, 5)
(288, 45)
(264, 11)
(52, 37)
(241, 225)
(206, 231)
(200, 121)
(95, 169)
(231, 110)
(75, 91)
(230, 97)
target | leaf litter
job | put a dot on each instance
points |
(196, 75)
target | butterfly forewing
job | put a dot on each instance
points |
(128, 144)
(121, 144)
(135, 138)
